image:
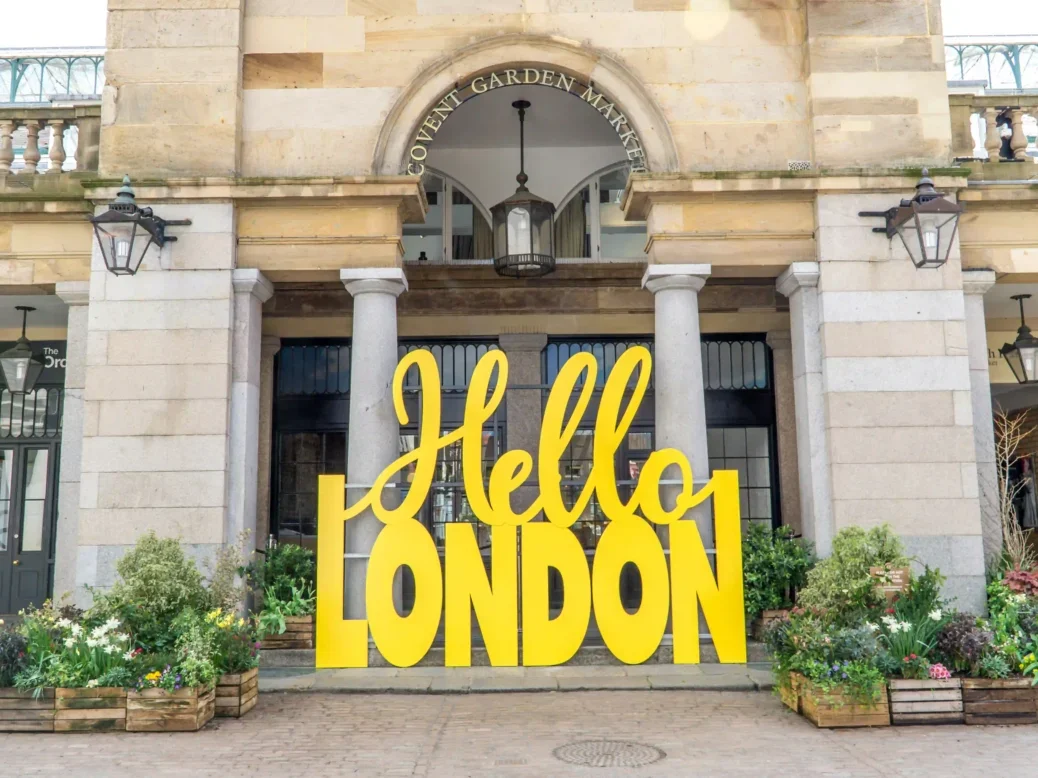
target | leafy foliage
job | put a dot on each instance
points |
(284, 567)
(226, 588)
(12, 655)
(841, 582)
(302, 601)
(775, 565)
(962, 643)
(994, 665)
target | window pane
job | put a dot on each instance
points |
(471, 234)
(620, 238)
(34, 500)
(573, 227)
(6, 462)
(427, 238)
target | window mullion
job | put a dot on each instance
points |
(448, 218)
(595, 208)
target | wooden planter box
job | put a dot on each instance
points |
(760, 624)
(925, 702)
(89, 710)
(157, 710)
(299, 633)
(1004, 701)
(790, 695)
(834, 710)
(19, 712)
(237, 693)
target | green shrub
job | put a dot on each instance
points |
(774, 566)
(282, 568)
(13, 649)
(841, 583)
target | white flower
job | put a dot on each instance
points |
(128, 656)
(69, 642)
(120, 637)
(872, 627)
(935, 614)
(91, 643)
(64, 623)
(92, 684)
(112, 624)
(76, 630)
(110, 649)
(98, 632)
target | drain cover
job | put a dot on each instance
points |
(608, 753)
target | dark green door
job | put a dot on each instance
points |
(27, 508)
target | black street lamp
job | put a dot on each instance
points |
(926, 224)
(524, 226)
(125, 231)
(18, 365)
(1022, 353)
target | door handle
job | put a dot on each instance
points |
(16, 562)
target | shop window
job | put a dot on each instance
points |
(302, 456)
(746, 450)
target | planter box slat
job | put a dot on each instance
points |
(236, 694)
(902, 684)
(156, 710)
(299, 633)
(836, 710)
(903, 719)
(1004, 701)
(918, 701)
(927, 706)
(90, 710)
(923, 695)
(21, 712)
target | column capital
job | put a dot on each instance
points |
(977, 281)
(779, 340)
(252, 281)
(380, 280)
(796, 276)
(73, 292)
(511, 342)
(660, 277)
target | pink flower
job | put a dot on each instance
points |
(939, 672)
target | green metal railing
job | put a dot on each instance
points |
(1002, 64)
(39, 77)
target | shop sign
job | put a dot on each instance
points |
(452, 592)
(524, 76)
(52, 354)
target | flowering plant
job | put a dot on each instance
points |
(12, 655)
(939, 672)
(236, 644)
(167, 678)
(910, 642)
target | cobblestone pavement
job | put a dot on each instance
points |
(703, 733)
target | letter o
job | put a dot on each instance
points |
(404, 640)
(631, 637)
(416, 156)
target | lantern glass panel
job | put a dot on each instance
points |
(543, 230)
(20, 369)
(520, 231)
(1015, 362)
(123, 245)
(928, 237)
(1029, 362)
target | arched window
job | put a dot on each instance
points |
(465, 221)
(590, 225)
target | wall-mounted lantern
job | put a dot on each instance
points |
(125, 231)
(1022, 353)
(20, 368)
(926, 224)
(524, 224)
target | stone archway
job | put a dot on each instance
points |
(587, 67)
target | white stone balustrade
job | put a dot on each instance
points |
(71, 136)
(980, 122)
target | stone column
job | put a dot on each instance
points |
(974, 284)
(251, 290)
(678, 366)
(523, 406)
(374, 434)
(76, 294)
(781, 344)
(269, 347)
(799, 282)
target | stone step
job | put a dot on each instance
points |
(587, 655)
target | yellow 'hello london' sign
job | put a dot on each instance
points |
(464, 585)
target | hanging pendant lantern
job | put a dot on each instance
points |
(524, 224)
(1022, 353)
(19, 366)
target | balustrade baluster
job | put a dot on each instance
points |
(57, 145)
(1018, 143)
(31, 155)
(992, 137)
(6, 145)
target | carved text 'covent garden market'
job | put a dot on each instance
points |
(524, 76)
(461, 585)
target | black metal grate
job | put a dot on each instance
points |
(735, 364)
(456, 361)
(36, 415)
(314, 369)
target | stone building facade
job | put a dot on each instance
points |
(708, 160)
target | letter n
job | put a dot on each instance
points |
(341, 642)
(495, 606)
(693, 584)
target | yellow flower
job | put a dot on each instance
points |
(241, 622)
(212, 616)
(153, 676)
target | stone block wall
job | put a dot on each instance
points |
(157, 397)
(897, 400)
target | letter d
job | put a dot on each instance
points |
(548, 641)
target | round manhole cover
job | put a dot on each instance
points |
(608, 753)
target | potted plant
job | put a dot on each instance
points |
(924, 693)
(20, 711)
(237, 689)
(775, 564)
(830, 670)
(179, 696)
(285, 576)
